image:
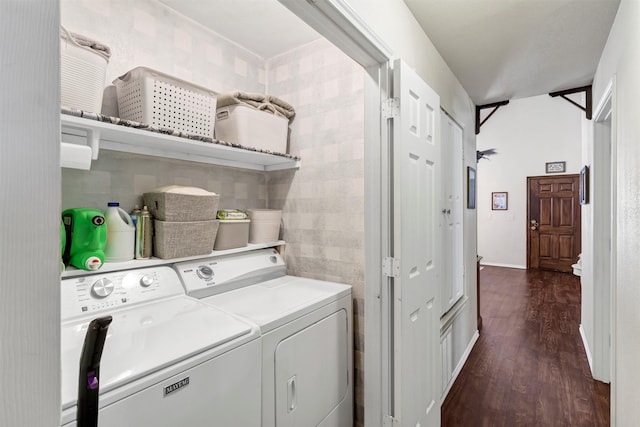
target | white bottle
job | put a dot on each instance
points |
(120, 234)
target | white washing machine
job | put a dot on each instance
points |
(306, 325)
(168, 359)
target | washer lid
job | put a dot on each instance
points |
(148, 338)
(275, 302)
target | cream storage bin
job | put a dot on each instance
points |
(249, 127)
(178, 203)
(182, 239)
(154, 98)
(82, 74)
(232, 233)
(265, 225)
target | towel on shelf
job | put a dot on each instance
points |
(85, 41)
(259, 101)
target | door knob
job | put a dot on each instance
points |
(534, 225)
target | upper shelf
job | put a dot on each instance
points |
(130, 140)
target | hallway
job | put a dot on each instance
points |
(529, 367)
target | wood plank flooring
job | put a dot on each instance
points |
(529, 367)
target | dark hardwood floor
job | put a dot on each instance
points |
(529, 367)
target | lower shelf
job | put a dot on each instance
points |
(129, 265)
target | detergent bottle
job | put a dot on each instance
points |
(120, 234)
(85, 238)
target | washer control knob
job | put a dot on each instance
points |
(102, 288)
(273, 259)
(204, 272)
(146, 281)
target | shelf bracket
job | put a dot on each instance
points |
(479, 109)
(588, 96)
(93, 141)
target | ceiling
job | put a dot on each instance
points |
(498, 49)
(505, 49)
(264, 27)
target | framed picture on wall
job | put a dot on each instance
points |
(584, 185)
(555, 167)
(499, 201)
(471, 188)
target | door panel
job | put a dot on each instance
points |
(417, 245)
(553, 222)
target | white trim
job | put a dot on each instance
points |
(460, 365)
(586, 347)
(340, 24)
(336, 21)
(499, 264)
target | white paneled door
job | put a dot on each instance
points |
(452, 212)
(417, 247)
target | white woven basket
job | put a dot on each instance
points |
(82, 75)
(155, 98)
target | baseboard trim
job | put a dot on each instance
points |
(498, 264)
(460, 365)
(587, 350)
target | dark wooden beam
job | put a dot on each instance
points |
(589, 99)
(479, 109)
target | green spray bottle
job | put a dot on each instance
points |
(86, 236)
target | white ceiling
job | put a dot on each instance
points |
(504, 49)
(264, 27)
(498, 49)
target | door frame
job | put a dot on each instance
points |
(603, 228)
(529, 211)
(336, 21)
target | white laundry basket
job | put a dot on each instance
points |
(82, 74)
(154, 98)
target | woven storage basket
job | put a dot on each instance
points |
(166, 205)
(182, 239)
(155, 98)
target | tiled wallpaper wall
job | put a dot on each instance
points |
(322, 202)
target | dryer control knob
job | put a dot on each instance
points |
(146, 281)
(102, 288)
(204, 272)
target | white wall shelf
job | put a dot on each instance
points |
(142, 263)
(100, 135)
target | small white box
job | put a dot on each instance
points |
(241, 124)
(232, 233)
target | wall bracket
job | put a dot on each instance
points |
(479, 109)
(589, 101)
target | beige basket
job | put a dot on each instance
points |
(155, 98)
(232, 233)
(171, 206)
(183, 239)
(265, 225)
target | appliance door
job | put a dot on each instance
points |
(221, 392)
(312, 375)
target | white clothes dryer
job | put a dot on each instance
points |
(168, 359)
(306, 326)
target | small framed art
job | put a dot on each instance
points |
(471, 188)
(500, 201)
(555, 167)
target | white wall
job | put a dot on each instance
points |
(621, 58)
(29, 214)
(527, 133)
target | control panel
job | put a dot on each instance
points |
(97, 293)
(229, 272)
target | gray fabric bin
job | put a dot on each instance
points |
(170, 204)
(182, 239)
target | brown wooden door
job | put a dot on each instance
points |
(553, 222)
